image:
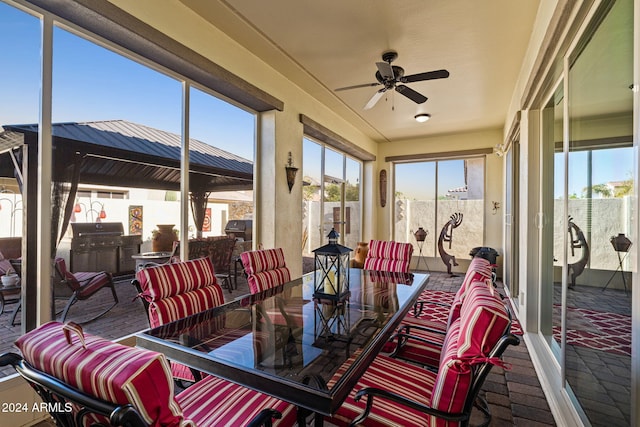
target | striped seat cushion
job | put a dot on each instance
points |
(177, 307)
(110, 371)
(217, 402)
(177, 278)
(388, 256)
(268, 279)
(394, 375)
(265, 269)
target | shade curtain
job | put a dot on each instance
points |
(64, 188)
(199, 200)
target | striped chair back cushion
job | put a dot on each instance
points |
(453, 380)
(388, 256)
(174, 279)
(262, 260)
(265, 269)
(104, 369)
(479, 270)
(480, 266)
(484, 320)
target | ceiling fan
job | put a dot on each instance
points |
(392, 77)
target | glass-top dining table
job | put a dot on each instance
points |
(288, 344)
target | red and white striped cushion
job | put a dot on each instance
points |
(264, 280)
(179, 306)
(394, 375)
(110, 371)
(388, 256)
(453, 380)
(477, 272)
(214, 401)
(265, 269)
(262, 260)
(179, 290)
(177, 278)
(484, 319)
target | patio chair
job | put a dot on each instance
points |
(173, 291)
(83, 286)
(428, 334)
(265, 269)
(86, 380)
(221, 253)
(388, 256)
(402, 393)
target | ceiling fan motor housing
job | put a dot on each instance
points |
(390, 82)
(389, 56)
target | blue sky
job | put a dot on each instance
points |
(92, 83)
(608, 165)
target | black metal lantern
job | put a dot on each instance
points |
(331, 279)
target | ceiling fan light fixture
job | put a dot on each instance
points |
(422, 117)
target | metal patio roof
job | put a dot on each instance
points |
(122, 153)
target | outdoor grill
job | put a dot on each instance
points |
(241, 229)
(102, 246)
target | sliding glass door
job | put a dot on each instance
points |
(332, 197)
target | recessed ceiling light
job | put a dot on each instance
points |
(423, 117)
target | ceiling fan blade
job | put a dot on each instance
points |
(385, 69)
(375, 98)
(429, 75)
(416, 97)
(357, 86)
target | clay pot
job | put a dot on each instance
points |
(163, 238)
(420, 234)
(360, 254)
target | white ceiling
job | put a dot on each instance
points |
(324, 45)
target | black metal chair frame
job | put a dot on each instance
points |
(222, 262)
(77, 294)
(58, 395)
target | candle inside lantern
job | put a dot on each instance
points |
(330, 283)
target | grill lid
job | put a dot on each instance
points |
(239, 228)
(85, 229)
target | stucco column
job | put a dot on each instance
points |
(278, 213)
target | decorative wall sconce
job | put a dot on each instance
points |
(291, 172)
(496, 206)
